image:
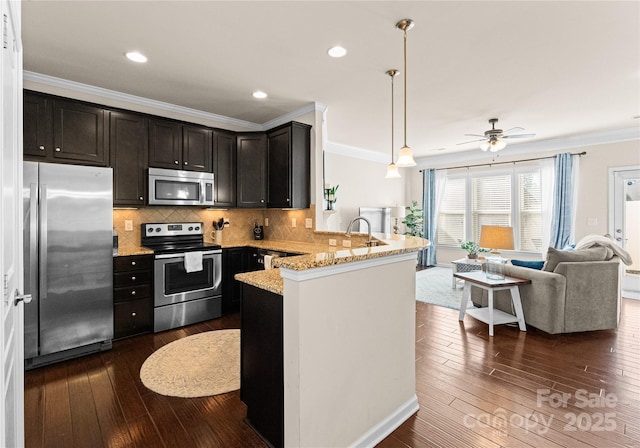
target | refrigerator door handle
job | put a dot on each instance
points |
(43, 241)
(33, 239)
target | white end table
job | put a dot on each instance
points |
(464, 265)
(487, 314)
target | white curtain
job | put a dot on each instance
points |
(547, 186)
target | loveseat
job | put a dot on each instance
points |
(576, 290)
(575, 296)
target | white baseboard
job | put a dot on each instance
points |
(385, 427)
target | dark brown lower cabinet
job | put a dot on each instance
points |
(132, 295)
(262, 362)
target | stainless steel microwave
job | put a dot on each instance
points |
(175, 187)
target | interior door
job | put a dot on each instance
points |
(11, 309)
(625, 228)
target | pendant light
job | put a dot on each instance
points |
(392, 169)
(406, 155)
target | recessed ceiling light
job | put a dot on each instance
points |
(136, 56)
(259, 94)
(337, 51)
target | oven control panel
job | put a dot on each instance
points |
(172, 229)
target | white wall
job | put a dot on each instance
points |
(593, 204)
(362, 184)
(349, 374)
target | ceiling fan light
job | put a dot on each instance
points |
(405, 158)
(392, 172)
(485, 145)
(497, 145)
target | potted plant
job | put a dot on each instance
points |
(413, 220)
(472, 249)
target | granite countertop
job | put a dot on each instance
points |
(319, 255)
(125, 251)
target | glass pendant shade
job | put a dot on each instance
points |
(405, 158)
(392, 172)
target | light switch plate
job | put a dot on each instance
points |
(346, 243)
(266, 222)
(332, 242)
(128, 225)
(308, 223)
(592, 221)
(293, 222)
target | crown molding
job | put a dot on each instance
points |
(355, 152)
(534, 147)
(311, 107)
(141, 101)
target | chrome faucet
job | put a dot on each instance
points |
(369, 242)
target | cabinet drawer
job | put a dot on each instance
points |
(136, 262)
(131, 318)
(131, 293)
(131, 278)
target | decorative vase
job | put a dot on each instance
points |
(472, 256)
(218, 236)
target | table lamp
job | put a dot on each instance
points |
(494, 238)
(397, 212)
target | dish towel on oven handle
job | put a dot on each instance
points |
(193, 261)
(267, 261)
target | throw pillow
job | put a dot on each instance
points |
(555, 256)
(532, 264)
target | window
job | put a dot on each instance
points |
(503, 198)
(451, 220)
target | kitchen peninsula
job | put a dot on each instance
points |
(328, 345)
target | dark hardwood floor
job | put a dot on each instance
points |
(474, 391)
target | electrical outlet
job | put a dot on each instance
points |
(128, 225)
(346, 243)
(308, 223)
(293, 222)
(266, 222)
(332, 242)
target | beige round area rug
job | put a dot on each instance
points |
(196, 366)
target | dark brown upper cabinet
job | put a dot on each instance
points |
(180, 147)
(289, 166)
(65, 131)
(224, 168)
(196, 148)
(37, 125)
(252, 170)
(129, 151)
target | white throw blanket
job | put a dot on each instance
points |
(612, 248)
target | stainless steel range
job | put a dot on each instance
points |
(187, 274)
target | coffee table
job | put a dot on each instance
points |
(464, 265)
(487, 314)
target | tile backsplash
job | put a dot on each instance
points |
(241, 223)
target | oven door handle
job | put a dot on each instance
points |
(181, 255)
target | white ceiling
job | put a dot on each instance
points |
(554, 68)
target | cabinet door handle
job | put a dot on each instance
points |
(186, 163)
(133, 278)
(262, 201)
(133, 263)
(41, 147)
(58, 149)
(133, 314)
(141, 198)
(133, 293)
(176, 162)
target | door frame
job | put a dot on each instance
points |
(629, 293)
(11, 345)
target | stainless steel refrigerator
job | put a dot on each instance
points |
(68, 261)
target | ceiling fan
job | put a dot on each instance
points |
(493, 140)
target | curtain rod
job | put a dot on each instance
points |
(579, 154)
